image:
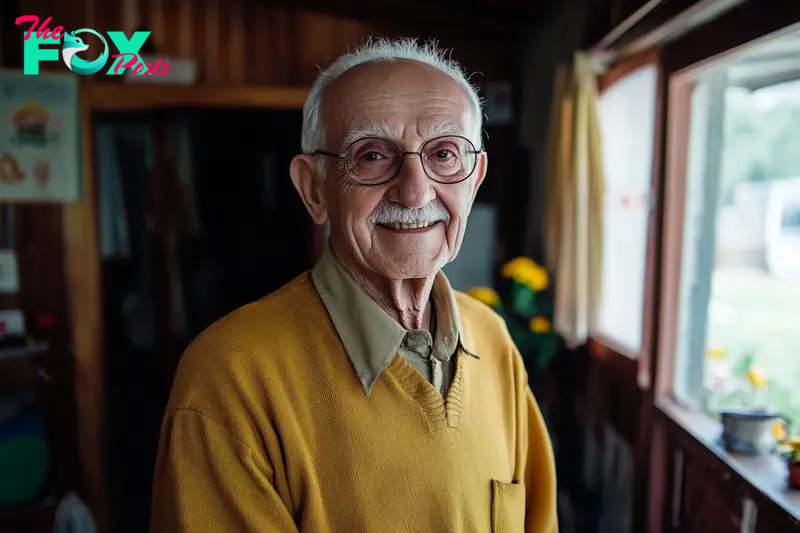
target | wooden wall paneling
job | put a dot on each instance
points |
(212, 40)
(234, 34)
(617, 397)
(129, 16)
(168, 22)
(283, 32)
(105, 16)
(143, 14)
(482, 22)
(656, 492)
(159, 25)
(184, 13)
(270, 50)
(704, 507)
(321, 38)
(85, 293)
(199, 39)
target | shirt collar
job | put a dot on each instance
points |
(371, 337)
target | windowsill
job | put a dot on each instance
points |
(614, 345)
(768, 475)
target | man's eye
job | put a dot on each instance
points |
(373, 156)
(443, 154)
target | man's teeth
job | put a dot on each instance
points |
(416, 225)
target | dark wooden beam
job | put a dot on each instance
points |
(754, 20)
(658, 22)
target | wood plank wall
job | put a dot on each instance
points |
(253, 42)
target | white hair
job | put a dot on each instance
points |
(388, 51)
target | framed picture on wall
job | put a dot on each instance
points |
(39, 138)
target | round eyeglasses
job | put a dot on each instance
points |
(374, 161)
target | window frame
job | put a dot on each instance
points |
(641, 358)
(721, 39)
(681, 64)
(664, 428)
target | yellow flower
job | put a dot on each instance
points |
(539, 324)
(757, 378)
(525, 271)
(715, 353)
(779, 430)
(486, 295)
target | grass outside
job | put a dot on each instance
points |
(753, 312)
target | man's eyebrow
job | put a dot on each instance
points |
(438, 128)
(372, 129)
(386, 130)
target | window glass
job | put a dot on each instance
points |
(739, 314)
(627, 122)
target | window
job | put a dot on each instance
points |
(627, 122)
(738, 302)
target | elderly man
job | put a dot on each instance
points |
(365, 395)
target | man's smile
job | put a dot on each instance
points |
(419, 227)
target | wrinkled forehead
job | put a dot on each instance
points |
(405, 100)
(395, 130)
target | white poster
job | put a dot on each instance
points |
(39, 138)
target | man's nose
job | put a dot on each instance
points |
(412, 187)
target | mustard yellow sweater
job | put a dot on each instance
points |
(268, 429)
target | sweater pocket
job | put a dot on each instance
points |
(508, 507)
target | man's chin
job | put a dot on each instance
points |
(408, 267)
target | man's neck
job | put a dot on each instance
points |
(407, 301)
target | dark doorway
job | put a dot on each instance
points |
(198, 216)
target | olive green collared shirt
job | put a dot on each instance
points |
(371, 337)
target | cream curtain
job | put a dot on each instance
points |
(574, 226)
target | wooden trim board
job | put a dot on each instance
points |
(81, 240)
(81, 235)
(123, 97)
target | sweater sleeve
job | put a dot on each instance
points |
(540, 473)
(207, 480)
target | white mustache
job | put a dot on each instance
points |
(395, 213)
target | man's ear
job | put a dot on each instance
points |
(480, 171)
(309, 187)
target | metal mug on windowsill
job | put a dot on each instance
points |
(751, 431)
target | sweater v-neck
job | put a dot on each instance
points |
(442, 413)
